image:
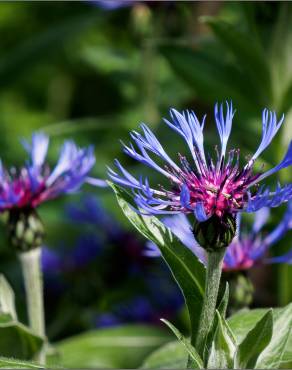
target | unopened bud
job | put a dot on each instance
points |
(25, 228)
(215, 233)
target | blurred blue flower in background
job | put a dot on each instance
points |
(111, 294)
(36, 183)
(112, 4)
(248, 248)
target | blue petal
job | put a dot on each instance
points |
(286, 161)
(286, 258)
(185, 197)
(151, 250)
(188, 126)
(40, 144)
(224, 124)
(281, 228)
(68, 152)
(199, 212)
(270, 128)
(260, 220)
(181, 227)
(266, 199)
(96, 182)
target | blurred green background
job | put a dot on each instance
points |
(92, 72)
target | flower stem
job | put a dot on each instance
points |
(33, 282)
(214, 268)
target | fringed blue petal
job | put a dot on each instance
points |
(286, 162)
(281, 229)
(285, 258)
(264, 198)
(188, 126)
(270, 128)
(224, 124)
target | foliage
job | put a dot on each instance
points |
(91, 74)
(261, 344)
(119, 347)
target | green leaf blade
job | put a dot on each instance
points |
(255, 342)
(7, 299)
(223, 347)
(278, 353)
(123, 346)
(196, 362)
(170, 356)
(186, 269)
(16, 340)
(11, 363)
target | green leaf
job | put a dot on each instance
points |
(16, 340)
(11, 363)
(223, 346)
(118, 347)
(244, 320)
(197, 362)
(170, 356)
(224, 302)
(7, 299)
(255, 342)
(278, 353)
(188, 272)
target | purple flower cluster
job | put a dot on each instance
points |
(36, 182)
(204, 187)
(247, 248)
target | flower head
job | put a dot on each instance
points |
(205, 187)
(36, 182)
(246, 250)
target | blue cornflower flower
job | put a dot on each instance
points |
(204, 188)
(35, 182)
(247, 248)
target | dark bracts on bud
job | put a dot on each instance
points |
(215, 233)
(25, 228)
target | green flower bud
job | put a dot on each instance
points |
(25, 229)
(241, 290)
(215, 233)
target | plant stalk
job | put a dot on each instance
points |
(214, 269)
(33, 283)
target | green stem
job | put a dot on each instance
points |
(214, 268)
(33, 282)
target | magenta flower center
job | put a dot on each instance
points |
(221, 189)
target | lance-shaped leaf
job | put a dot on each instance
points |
(255, 342)
(16, 340)
(122, 347)
(223, 347)
(196, 361)
(188, 272)
(7, 304)
(170, 356)
(278, 353)
(11, 363)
